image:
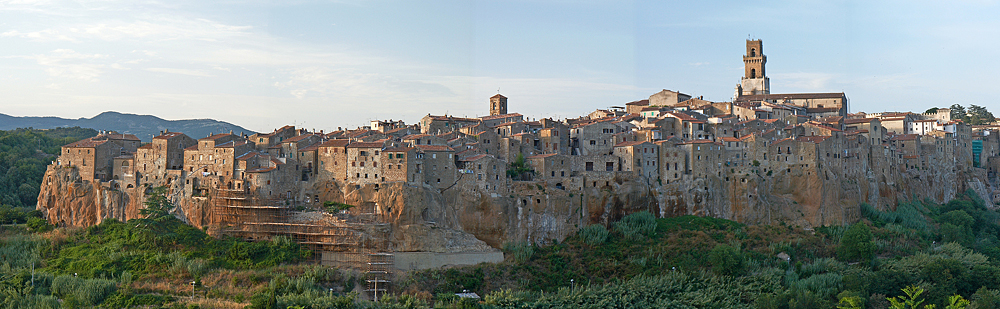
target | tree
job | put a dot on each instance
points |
(978, 115)
(910, 301)
(856, 244)
(931, 110)
(158, 206)
(519, 169)
(726, 260)
(957, 112)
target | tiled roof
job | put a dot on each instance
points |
(541, 156)
(398, 149)
(434, 148)
(195, 147)
(498, 96)
(415, 136)
(791, 96)
(86, 143)
(366, 145)
(858, 120)
(491, 117)
(335, 143)
(627, 144)
(813, 139)
(168, 135)
(476, 157)
(640, 102)
(146, 146)
(215, 137)
(297, 138)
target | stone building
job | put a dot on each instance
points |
(332, 157)
(754, 81)
(667, 98)
(165, 152)
(640, 157)
(439, 165)
(93, 157)
(364, 161)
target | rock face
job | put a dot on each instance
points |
(463, 219)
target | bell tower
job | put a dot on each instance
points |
(754, 80)
(498, 105)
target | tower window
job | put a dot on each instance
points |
(753, 73)
(753, 52)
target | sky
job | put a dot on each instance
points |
(328, 64)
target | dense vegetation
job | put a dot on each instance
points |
(24, 154)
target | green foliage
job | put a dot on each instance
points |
(974, 115)
(594, 234)
(636, 226)
(931, 110)
(726, 260)
(911, 300)
(519, 169)
(334, 207)
(39, 225)
(158, 207)
(86, 291)
(520, 252)
(24, 155)
(856, 244)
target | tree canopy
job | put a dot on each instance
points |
(974, 115)
(24, 154)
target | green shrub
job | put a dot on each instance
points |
(594, 234)
(726, 260)
(856, 244)
(636, 225)
(521, 252)
(86, 291)
(39, 225)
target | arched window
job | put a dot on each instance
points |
(753, 52)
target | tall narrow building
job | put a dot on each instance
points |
(498, 105)
(754, 80)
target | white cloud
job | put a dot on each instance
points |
(180, 71)
(67, 63)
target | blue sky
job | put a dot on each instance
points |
(329, 64)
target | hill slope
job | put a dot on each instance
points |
(143, 126)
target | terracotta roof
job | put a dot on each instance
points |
(476, 157)
(247, 156)
(297, 138)
(262, 169)
(627, 144)
(491, 117)
(685, 117)
(498, 96)
(366, 145)
(335, 143)
(398, 149)
(823, 126)
(215, 137)
(146, 146)
(434, 148)
(195, 147)
(640, 102)
(697, 141)
(313, 147)
(168, 135)
(232, 144)
(729, 139)
(541, 156)
(858, 120)
(813, 139)
(86, 143)
(791, 96)
(770, 120)
(415, 136)
(129, 137)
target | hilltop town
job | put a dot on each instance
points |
(801, 158)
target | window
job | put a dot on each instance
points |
(609, 166)
(590, 166)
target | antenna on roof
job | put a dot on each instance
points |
(498, 90)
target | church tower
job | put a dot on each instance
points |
(754, 80)
(498, 105)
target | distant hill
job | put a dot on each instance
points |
(143, 126)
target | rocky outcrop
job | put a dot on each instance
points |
(464, 219)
